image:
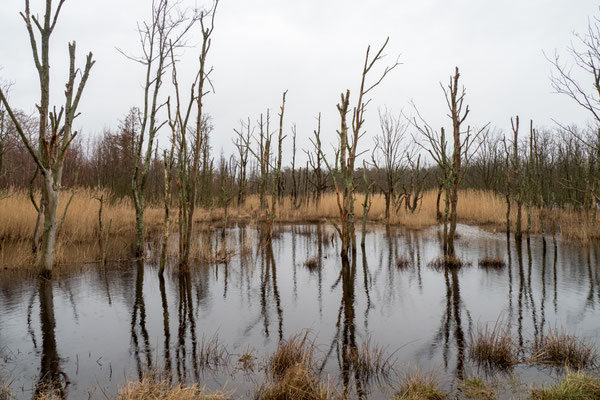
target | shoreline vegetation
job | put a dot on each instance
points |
(292, 372)
(79, 239)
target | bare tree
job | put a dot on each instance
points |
(243, 136)
(188, 154)
(55, 128)
(465, 145)
(347, 150)
(278, 180)
(165, 31)
(388, 156)
(584, 56)
(315, 159)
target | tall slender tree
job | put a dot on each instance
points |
(55, 127)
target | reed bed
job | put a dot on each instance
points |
(80, 227)
(560, 349)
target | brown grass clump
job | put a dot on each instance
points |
(574, 386)
(475, 388)
(493, 348)
(151, 388)
(372, 362)
(5, 392)
(297, 350)
(448, 261)
(312, 264)
(402, 262)
(492, 262)
(419, 386)
(561, 349)
(213, 354)
(298, 383)
(247, 360)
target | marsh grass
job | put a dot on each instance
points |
(299, 382)
(492, 263)
(493, 348)
(247, 361)
(297, 350)
(80, 229)
(560, 349)
(151, 387)
(312, 264)
(212, 354)
(372, 362)
(448, 262)
(574, 386)
(420, 386)
(5, 392)
(476, 388)
(403, 262)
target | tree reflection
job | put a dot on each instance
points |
(50, 379)
(138, 320)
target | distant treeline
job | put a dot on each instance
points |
(559, 166)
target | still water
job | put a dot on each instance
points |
(91, 329)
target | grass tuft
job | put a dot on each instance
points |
(419, 386)
(574, 386)
(558, 348)
(477, 389)
(493, 348)
(297, 383)
(152, 388)
(447, 261)
(312, 264)
(402, 262)
(297, 350)
(492, 263)
(213, 354)
(371, 362)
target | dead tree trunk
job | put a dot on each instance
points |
(55, 135)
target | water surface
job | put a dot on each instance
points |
(91, 329)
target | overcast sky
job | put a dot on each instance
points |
(315, 48)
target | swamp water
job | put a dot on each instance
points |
(91, 329)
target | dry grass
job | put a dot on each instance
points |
(213, 354)
(493, 348)
(420, 386)
(372, 362)
(152, 388)
(297, 350)
(477, 389)
(492, 263)
(293, 373)
(5, 392)
(17, 220)
(558, 348)
(574, 386)
(447, 261)
(297, 383)
(312, 264)
(403, 262)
